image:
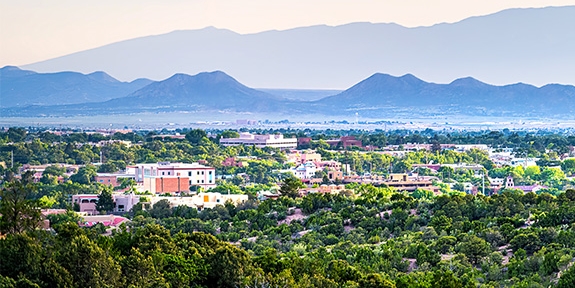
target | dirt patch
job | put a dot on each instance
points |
(297, 215)
(412, 264)
(301, 233)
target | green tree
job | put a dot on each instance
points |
(20, 212)
(474, 248)
(195, 136)
(161, 209)
(567, 279)
(85, 175)
(89, 265)
(105, 200)
(290, 187)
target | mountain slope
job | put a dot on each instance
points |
(517, 45)
(22, 88)
(206, 90)
(383, 94)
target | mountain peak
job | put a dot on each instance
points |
(467, 82)
(204, 77)
(14, 71)
(102, 77)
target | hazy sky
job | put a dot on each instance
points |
(35, 30)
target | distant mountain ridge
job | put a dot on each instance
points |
(382, 93)
(378, 96)
(20, 88)
(516, 45)
(206, 90)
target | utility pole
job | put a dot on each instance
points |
(12, 158)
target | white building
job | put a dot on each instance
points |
(87, 202)
(305, 171)
(260, 141)
(164, 176)
(202, 200)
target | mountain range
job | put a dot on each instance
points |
(23, 87)
(516, 45)
(378, 96)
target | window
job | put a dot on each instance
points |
(202, 172)
(163, 172)
(198, 173)
(210, 173)
(189, 173)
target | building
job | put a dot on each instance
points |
(510, 184)
(106, 220)
(334, 175)
(345, 142)
(112, 178)
(299, 157)
(202, 201)
(260, 141)
(305, 171)
(166, 177)
(234, 162)
(87, 202)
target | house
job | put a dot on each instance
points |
(305, 171)
(86, 203)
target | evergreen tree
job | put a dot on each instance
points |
(105, 201)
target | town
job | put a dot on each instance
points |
(286, 190)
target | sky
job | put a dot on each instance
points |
(36, 30)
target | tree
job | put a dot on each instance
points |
(435, 147)
(195, 136)
(161, 209)
(567, 279)
(290, 187)
(84, 175)
(89, 264)
(105, 201)
(568, 165)
(20, 212)
(529, 242)
(474, 248)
